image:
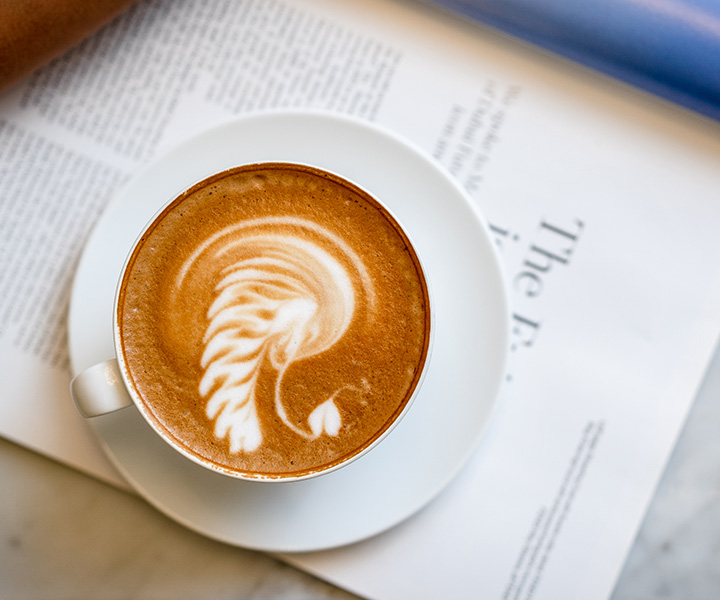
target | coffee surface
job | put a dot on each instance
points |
(273, 320)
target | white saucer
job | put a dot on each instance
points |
(461, 387)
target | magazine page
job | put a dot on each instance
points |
(602, 200)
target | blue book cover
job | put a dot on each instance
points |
(668, 47)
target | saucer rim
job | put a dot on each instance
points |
(347, 125)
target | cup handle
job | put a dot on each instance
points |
(100, 390)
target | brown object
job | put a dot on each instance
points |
(33, 32)
(273, 322)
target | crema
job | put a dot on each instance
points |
(274, 320)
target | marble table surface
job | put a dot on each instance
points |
(64, 535)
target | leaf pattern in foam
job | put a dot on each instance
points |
(286, 298)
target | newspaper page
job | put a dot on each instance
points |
(603, 202)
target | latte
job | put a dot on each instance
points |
(273, 321)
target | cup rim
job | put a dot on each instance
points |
(343, 461)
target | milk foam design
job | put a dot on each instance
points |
(288, 289)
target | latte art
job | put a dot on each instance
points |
(283, 298)
(274, 322)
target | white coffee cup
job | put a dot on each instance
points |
(109, 386)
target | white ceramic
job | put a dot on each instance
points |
(105, 388)
(461, 387)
